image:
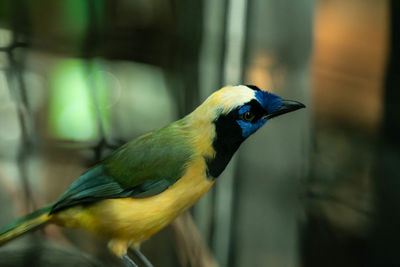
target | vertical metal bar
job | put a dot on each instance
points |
(233, 68)
(275, 159)
(210, 74)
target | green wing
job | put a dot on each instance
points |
(141, 168)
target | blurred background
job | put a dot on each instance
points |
(318, 187)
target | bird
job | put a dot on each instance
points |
(148, 182)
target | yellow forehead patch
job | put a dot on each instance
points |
(226, 99)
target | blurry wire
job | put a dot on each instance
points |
(17, 89)
(103, 139)
(89, 43)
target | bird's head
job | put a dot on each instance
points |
(243, 109)
(237, 112)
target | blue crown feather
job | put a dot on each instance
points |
(269, 101)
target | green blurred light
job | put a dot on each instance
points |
(72, 111)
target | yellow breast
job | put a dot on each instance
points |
(137, 219)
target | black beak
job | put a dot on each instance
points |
(287, 106)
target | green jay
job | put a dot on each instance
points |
(148, 182)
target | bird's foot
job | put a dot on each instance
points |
(128, 261)
(142, 258)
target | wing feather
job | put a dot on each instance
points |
(141, 168)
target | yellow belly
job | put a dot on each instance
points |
(136, 220)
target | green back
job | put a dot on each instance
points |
(144, 167)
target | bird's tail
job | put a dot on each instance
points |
(25, 224)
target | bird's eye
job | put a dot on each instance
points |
(248, 116)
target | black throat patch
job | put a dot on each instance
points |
(227, 140)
